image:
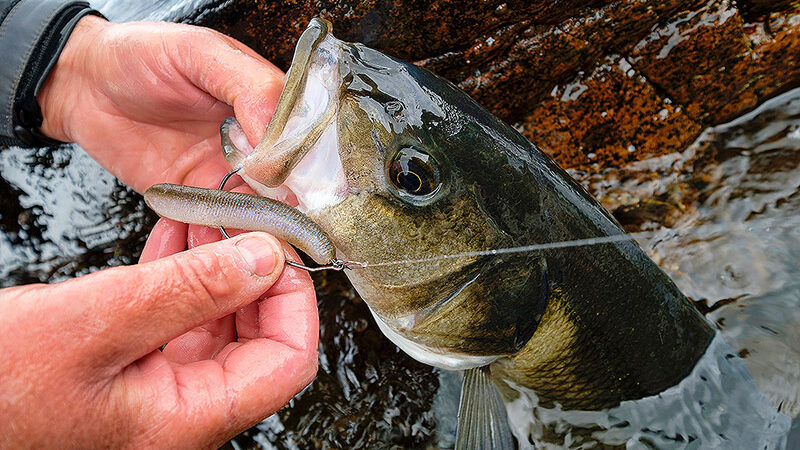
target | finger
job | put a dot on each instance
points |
(167, 238)
(129, 311)
(247, 320)
(216, 399)
(200, 235)
(203, 342)
(211, 339)
(292, 296)
(253, 321)
(247, 381)
(233, 74)
(266, 372)
(207, 340)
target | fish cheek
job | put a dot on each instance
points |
(362, 147)
(496, 314)
(376, 227)
(478, 305)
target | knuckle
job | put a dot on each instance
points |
(200, 40)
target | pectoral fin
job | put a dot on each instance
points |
(482, 420)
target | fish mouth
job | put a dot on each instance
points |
(297, 161)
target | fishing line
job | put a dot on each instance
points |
(763, 224)
(338, 264)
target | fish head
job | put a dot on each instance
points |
(400, 167)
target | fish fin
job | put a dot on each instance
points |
(235, 146)
(482, 420)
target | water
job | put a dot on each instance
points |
(63, 215)
(746, 282)
(745, 171)
(125, 10)
(716, 406)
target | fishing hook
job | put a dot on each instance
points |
(221, 188)
(336, 264)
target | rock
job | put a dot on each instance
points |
(595, 84)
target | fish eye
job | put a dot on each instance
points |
(414, 173)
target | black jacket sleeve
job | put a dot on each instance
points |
(32, 35)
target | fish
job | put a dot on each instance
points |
(394, 163)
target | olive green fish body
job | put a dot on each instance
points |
(430, 172)
(395, 163)
(624, 330)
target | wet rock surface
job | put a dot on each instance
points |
(594, 84)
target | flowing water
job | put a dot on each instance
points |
(744, 391)
(61, 215)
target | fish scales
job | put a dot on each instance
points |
(402, 165)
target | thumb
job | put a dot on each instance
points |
(129, 311)
(232, 73)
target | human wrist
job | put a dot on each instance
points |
(64, 86)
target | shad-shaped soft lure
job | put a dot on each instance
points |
(395, 163)
(218, 208)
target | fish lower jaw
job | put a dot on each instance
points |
(317, 180)
(430, 356)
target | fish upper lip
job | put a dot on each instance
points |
(307, 105)
(315, 33)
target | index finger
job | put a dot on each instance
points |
(264, 373)
(234, 74)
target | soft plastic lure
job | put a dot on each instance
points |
(216, 208)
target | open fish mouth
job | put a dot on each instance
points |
(297, 161)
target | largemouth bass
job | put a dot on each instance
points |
(395, 163)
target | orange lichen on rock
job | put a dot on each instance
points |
(597, 84)
(613, 116)
(718, 66)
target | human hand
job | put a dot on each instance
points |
(81, 368)
(146, 99)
